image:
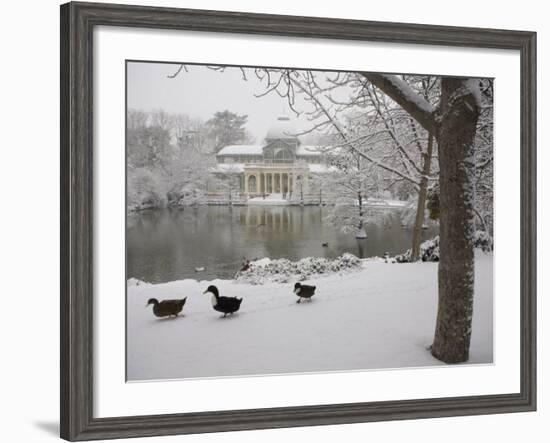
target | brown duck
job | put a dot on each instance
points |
(166, 308)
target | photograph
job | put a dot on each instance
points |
(284, 220)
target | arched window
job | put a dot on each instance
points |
(252, 183)
(283, 156)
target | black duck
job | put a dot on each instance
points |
(246, 266)
(166, 308)
(304, 291)
(226, 305)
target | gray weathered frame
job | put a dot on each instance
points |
(77, 23)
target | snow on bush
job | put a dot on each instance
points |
(429, 250)
(483, 241)
(284, 271)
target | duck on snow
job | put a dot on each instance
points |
(227, 305)
(166, 308)
(304, 291)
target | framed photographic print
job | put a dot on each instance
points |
(273, 221)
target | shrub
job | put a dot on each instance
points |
(283, 270)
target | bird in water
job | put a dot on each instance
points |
(166, 308)
(325, 244)
(226, 305)
(304, 291)
(246, 266)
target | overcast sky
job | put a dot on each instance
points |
(201, 92)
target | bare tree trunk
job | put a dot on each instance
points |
(459, 110)
(454, 125)
(421, 206)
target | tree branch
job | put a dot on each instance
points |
(406, 97)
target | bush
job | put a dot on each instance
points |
(483, 241)
(429, 250)
(284, 271)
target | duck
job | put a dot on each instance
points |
(200, 269)
(226, 305)
(245, 266)
(166, 308)
(304, 291)
(325, 244)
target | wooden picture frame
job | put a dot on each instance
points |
(77, 23)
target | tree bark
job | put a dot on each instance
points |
(421, 206)
(454, 126)
(459, 114)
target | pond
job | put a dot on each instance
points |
(167, 245)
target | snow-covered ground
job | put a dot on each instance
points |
(381, 316)
(270, 200)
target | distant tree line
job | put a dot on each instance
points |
(169, 155)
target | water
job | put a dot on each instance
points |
(167, 245)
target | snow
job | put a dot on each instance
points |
(269, 200)
(387, 203)
(283, 270)
(409, 93)
(319, 168)
(229, 168)
(382, 316)
(316, 168)
(472, 84)
(241, 150)
(304, 150)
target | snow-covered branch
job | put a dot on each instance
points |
(402, 93)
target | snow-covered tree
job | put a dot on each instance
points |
(454, 124)
(352, 181)
(227, 128)
(164, 168)
(228, 180)
(451, 120)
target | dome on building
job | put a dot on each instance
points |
(282, 129)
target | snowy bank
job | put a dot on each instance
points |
(429, 250)
(382, 316)
(283, 270)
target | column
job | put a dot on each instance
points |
(246, 183)
(262, 183)
(288, 182)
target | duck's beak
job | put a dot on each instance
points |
(205, 292)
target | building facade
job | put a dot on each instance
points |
(279, 167)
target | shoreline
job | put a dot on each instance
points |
(350, 324)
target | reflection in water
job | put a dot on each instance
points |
(166, 245)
